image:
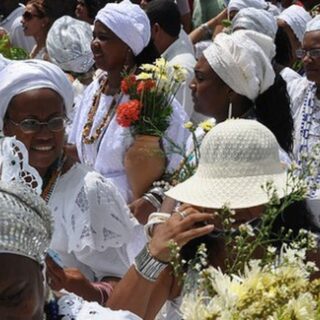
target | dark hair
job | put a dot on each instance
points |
(272, 108)
(283, 48)
(148, 55)
(94, 6)
(295, 217)
(166, 13)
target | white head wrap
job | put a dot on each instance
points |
(129, 22)
(314, 24)
(243, 61)
(68, 45)
(255, 19)
(22, 76)
(237, 5)
(297, 18)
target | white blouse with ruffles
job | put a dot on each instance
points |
(106, 155)
(92, 224)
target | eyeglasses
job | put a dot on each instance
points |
(27, 15)
(312, 53)
(55, 124)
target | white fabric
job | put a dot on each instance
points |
(297, 90)
(297, 18)
(13, 25)
(273, 9)
(92, 224)
(289, 75)
(237, 5)
(68, 44)
(243, 61)
(237, 158)
(72, 307)
(314, 24)
(179, 52)
(129, 22)
(19, 77)
(107, 154)
(255, 19)
(4, 62)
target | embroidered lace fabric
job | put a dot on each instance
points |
(92, 224)
(72, 307)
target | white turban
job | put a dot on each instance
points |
(255, 19)
(68, 45)
(22, 76)
(314, 24)
(129, 22)
(297, 18)
(237, 5)
(243, 61)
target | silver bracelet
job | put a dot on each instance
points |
(205, 27)
(153, 200)
(148, 266)
(157, 191)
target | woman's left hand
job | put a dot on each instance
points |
(72, 280)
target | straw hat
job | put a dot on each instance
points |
(238, 157)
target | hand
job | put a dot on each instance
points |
(141, 209)
(180, 230)
(72, 280)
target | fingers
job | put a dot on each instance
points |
(185, 237)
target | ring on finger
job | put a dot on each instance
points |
(182, 214)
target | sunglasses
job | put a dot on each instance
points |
(55, 124)
(27, 16)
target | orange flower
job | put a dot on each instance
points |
(127, 83)
(145, 85)
(128, 112)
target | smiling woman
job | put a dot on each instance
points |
(37, 99)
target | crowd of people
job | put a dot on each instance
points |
(75, 243)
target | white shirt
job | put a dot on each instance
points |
(106, 155)
(92, 224)
(181, 52)
(13, 25)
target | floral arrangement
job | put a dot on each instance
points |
(149, 109)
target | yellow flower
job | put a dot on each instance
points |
(148, 67)
(188, 125)
(144, 76)
(206, 125)
(179, 73)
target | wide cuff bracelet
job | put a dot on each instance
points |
(148, 266)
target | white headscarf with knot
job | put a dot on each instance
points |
(243, 61)
(255, 19)
(68, 45)
(314, 24)
(297, 18)
(237, 5)
(129, 22)
(22, 76)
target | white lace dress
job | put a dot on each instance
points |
(92, 224)
(106, 155)
(71, 307)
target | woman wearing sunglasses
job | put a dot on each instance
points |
(92, 221)
(36, 23)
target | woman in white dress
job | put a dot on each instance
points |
(92, 221)
(121, 42)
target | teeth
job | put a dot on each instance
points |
(42, 148)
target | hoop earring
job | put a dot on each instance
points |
(230, 110)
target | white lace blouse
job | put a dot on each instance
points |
(92, 224)
(106, 155)
(72, 307)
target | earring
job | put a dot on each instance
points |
(127, 61)
(230, 110)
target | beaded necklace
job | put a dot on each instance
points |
(307, 119)
(86, 139)
(54, 178)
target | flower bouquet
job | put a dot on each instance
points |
(147, 114)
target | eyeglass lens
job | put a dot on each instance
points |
(33, 125)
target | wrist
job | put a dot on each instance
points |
(148, 266)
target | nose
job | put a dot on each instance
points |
(306, 59)
(192, 84)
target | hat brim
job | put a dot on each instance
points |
(236, 192)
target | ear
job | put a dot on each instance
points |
(155, 30)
